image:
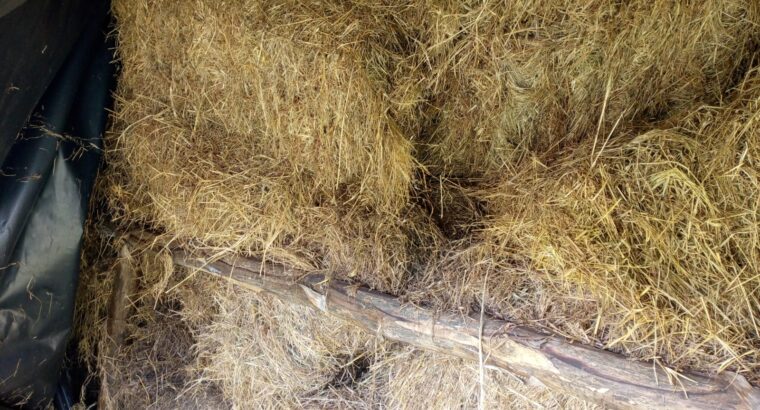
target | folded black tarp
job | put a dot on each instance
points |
(49, 160)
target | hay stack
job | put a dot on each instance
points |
(350, 137)
(660, 229)
(265, 128)
(511, 79)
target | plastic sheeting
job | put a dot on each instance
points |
(45, 184)
(35, 38)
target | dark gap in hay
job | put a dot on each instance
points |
(350, 374)
(450, 204)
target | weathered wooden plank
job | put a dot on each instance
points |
(119, 309)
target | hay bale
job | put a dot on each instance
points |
(473, 274)
(661, 228)
(264, 128)
(288, 130)
(513, 79)
(407, 378)
(262, 350)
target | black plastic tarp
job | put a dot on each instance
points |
(36, 36)
(47, 173)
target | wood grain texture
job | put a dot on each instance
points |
(592, 374)
(119, 309)
(124, 287)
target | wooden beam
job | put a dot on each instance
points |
(595, 375)
(119, 309)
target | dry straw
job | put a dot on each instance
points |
(506, 79)
(264, 128)
(410, 379)
(153, 367)
(661, 228)
(207, 344)
(261, 350)
(593, 164)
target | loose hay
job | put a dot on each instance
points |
(265, 352)
(153, 367)
(412, 379)
(200, 342)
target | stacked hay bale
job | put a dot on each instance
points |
(659, 228)
(525, 102)
(357, 137)
(258, 128)
(507, 80)
(265, 128)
